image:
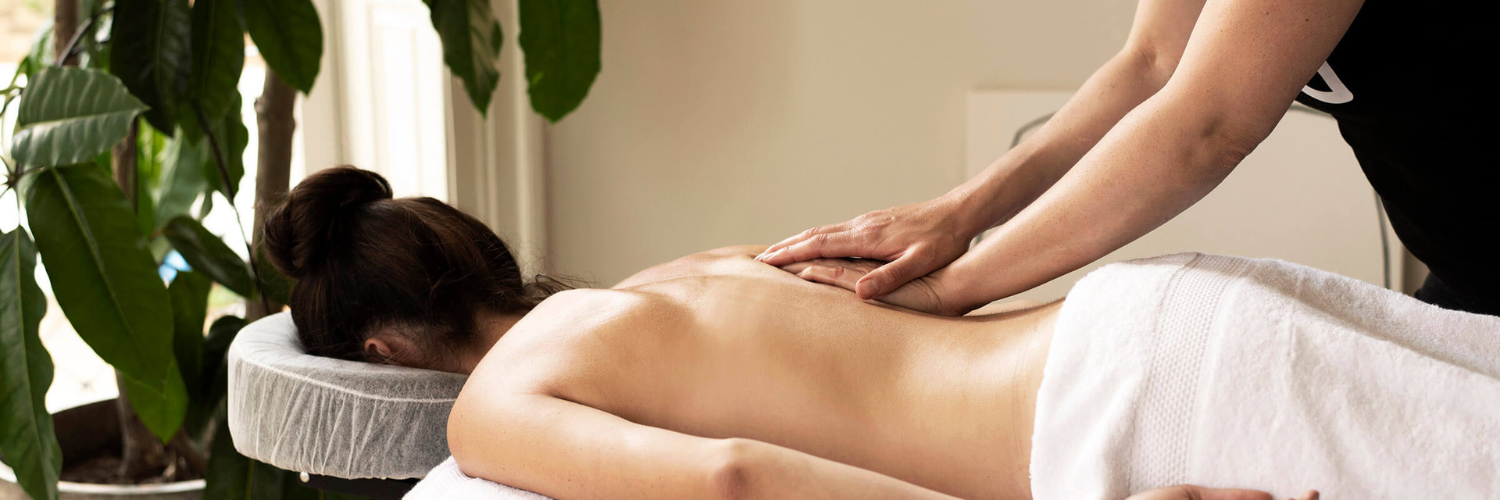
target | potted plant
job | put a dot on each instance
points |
(127, 127)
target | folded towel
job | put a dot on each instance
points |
(1249, 373)
(446, 482)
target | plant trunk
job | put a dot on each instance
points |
(64, 25)
(141, 454)
(275, 124)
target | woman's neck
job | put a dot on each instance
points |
(491, 327)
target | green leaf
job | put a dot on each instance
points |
(214, 372)
(218, 56)
(189, 293)
(106, 282)
(29, 442)
(182, 177)
(471, 45)
(70, 115)
(208, 254)
(561, 39)
(206, 206)
(232, 137)
(150, 52)
(105, 163)
(149, 146)
(289, 37)
(229, 472)
(145, 212)
(160, 406)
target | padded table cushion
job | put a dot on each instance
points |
(333, 417)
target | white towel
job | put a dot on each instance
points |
(1247, 373)
(446, 482)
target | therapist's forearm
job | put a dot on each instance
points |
(1026, 171)
(1163, 157)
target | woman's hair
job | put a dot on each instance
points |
(366, 263)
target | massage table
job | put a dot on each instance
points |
(1186, 368)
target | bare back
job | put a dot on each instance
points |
(717, 345)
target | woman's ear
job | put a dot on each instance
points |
(377, 348)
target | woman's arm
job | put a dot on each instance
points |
(1245, 62)
(567, 450)
(923, 237)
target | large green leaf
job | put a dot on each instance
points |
(232, 137)
(289, 37)
(214, 373)
(471, 45)
(208, 254)
(189, 293)
(26, 436)
(148, 166)
(561, 40)
(182, 176)
(218, 56)
(150, 43)
(106, 283)
(161, 406)
(70, 115)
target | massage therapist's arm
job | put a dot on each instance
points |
(567, 450)
(922, 237)
(1245, 62)
(1240, 69)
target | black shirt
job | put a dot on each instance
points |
(1404, 86)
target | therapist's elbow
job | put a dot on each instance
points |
(1225, 140)
(1215, 139)
(1154, 62)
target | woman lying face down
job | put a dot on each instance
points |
(709, 376)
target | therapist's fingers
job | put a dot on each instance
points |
(914, 264)
(800, 237)
(817, 246)
(831, 275)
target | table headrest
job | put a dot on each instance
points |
(333, 417)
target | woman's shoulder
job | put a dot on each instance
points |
(725, 260)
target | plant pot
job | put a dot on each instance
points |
(86, 432)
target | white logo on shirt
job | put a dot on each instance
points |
(1337, 93)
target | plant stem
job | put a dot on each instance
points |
(64, 29)
(66, 59)
(230, 190)
(275, 125)
(213, 143)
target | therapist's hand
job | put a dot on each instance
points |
(914, 240)
(922, 294)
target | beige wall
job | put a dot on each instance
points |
(720, 122)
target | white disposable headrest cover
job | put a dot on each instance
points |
(333, 417)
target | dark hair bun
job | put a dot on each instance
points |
(302, 232)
